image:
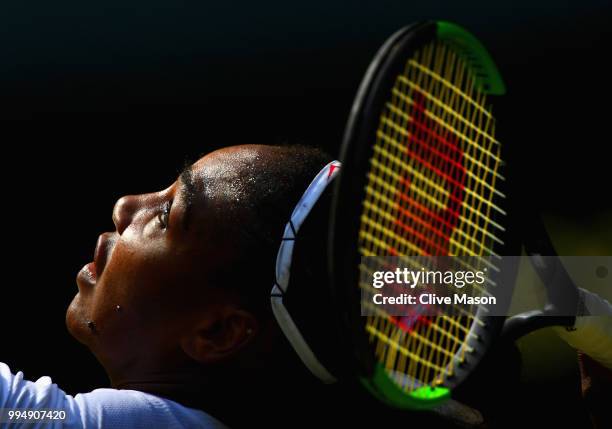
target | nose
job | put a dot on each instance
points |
(123, 212)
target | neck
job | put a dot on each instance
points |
(203, 387)
(186, 385)
(195, 386)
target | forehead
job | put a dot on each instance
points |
(225, 179)
(226, 174)
(229, 161)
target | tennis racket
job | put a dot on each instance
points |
(422, 175)
(566, 303)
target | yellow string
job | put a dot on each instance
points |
(457, 111)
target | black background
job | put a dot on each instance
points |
(101, 100)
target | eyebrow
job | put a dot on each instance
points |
(187, 193)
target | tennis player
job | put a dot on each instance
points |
(176, 303)
(176, 307)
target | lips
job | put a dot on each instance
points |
(91, 272)
(88, 274)
(104, 247)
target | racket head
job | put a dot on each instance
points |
(414, 47)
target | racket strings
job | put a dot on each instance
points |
(431, 190)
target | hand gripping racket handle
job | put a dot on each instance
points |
(563, 297)
(592, 332)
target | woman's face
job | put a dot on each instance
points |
(145, 295)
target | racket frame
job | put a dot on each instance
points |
(344, 226)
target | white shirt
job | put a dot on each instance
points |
(101, 408)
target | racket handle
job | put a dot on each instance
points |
(591, 335)
(459, 414)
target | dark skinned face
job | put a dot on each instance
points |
(144, 305)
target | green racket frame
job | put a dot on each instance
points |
(349, 189)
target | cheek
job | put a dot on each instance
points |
(130, 270)
(144, 280)
(117, 303)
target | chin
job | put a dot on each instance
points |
(75, 321)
